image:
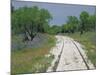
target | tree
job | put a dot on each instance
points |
(65, 28)
(71, 24)
(43, 20)
(54, 29)
(12, 8)
(30, 21)
(83, 21)
(92, 22)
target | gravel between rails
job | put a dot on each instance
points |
(69, 55)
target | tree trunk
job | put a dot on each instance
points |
(29, 34)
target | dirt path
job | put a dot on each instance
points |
(69, 55)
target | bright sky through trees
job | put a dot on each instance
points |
(59, 11)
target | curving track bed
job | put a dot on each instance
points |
(69, 55)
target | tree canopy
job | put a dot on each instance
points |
(86, 22)
(30, 21)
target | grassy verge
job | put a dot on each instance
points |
(88, 39)
(32, 60)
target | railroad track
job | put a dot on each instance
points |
(83, 59)
(59, 56)
(86, 64)
(70, 56)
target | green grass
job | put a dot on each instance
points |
(32, 60)
(88, 39)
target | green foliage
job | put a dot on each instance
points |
(88, 39)
(71, 25)
(55, 29)
(38, 59)
(12, 8)
(92, 22)
(29, 21)
(85, 23)
(64, 28)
